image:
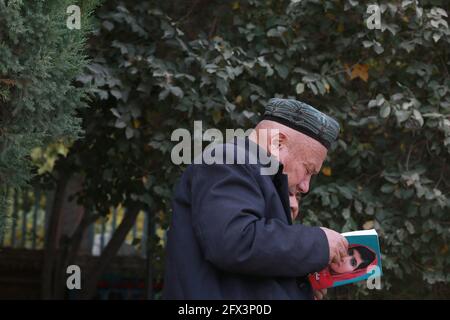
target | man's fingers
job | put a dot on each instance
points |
(345, 243)
(343, 248)
(343, 252)
(333, 257)
(318, 295)
(338, 245)
(323, 292)
(337, 256)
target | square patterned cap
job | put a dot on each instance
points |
(304, 118)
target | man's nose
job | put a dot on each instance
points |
(304, 186)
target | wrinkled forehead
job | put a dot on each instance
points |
(312, 149)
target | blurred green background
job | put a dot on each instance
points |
(98, 106)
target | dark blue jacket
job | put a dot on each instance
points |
(232, 237)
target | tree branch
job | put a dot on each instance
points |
(109, 252)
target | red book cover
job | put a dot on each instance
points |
(363, 261)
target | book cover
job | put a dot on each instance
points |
(364, 260)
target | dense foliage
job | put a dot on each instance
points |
(158, 66)
(39, 59)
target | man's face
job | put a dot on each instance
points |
(348, 264)
(300, 162)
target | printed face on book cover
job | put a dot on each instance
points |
(359, 261)
(359, 258)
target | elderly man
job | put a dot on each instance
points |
(232, 234)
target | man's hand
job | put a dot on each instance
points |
(338, 245)
(319, 294)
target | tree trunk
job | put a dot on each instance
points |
(149, 294)
(111, 249)
(78, 236)
(52, 238)
(69, 250)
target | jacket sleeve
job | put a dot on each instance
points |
(228, 217)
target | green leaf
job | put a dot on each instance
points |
(108, 25)
(358, 206)
(387, 188)
(345, 191)
(346, 213)
(410, 227)
(129, 132)
(116, 94)
(163, 94)
(222, 85)
(120, 124)
(176, 91)
(385, 111)
(325, 200)
(402, 115)
(418, 116)
(282, 70)
(299, 88)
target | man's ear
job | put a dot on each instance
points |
(277, 142)
(282, 140)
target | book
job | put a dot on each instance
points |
(364, 261)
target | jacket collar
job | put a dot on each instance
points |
(279, 179)
(255, 150)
